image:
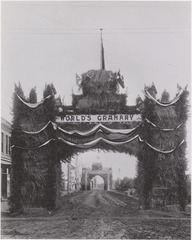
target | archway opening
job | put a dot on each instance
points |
(97, 183)
(122, 166)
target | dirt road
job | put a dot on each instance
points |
(98, 214)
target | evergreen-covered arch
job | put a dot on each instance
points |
(39, 144)
(97, 170)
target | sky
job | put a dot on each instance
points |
(49, 42)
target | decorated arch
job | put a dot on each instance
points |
(48, 132)
(97, 170)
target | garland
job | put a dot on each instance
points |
(42, 145)
(42, 129)
(91, 143)
(33, 105)
(101, 127)
(98, 128)
(106, 139)
(163, 129)
(149, 96)
(162, 151)
(94, 142)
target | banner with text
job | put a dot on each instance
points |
(99, 118)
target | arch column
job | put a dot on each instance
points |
(85, 179)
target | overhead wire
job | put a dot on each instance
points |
(100, 4)
(93, 31)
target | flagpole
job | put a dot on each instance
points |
(102, 52)
(101, 65)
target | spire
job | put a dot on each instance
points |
(102, 53)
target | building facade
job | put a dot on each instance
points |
(5, 158)
(71, 177)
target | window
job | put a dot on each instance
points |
(2, 142)
(7, 144)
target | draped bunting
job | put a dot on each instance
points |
(28, 148)
(115, 137)
(110, 136)
(148, 95)
(163, 129)
(94, 142)
(42, 129)
(99, 127)
(33, 105)
(99, 132)
(162, 151)
(84, 145)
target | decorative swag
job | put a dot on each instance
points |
(98, 133)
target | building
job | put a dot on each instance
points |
(5, 158)
(70, 177)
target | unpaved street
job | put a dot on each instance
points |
(98, 214)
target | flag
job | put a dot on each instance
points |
(88, 77)
(78, 80)
(121, 82)
(120, 79)
(110, 77)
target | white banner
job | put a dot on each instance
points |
(99, 118)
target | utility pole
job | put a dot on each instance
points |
(76, 175)
(119, 176)
(68, 177)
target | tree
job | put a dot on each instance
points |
(126, 183)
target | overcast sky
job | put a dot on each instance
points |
(49, 42)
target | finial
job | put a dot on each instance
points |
(101, 29)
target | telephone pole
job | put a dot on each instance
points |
(77, 175)
(68, 176)
(119, 176)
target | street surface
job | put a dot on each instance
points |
(98, 214)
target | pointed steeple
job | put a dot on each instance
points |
(102, 53)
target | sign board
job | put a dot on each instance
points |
(99, 118)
